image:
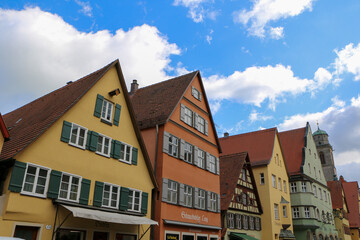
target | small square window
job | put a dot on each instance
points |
(107, 109)
(296, 212)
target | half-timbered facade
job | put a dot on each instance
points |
(240, 204)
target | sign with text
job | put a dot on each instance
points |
(195, 217)
(172, 236)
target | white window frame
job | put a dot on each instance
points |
(105, 108)
(238, 221)
(262, 178)
(174, 145)
(279, 183)
(201, 159)
(76, 143)
(102, 151)
(188, 152)
(243, 174)
(284, 208)
(212, 163)
(213, 201)
(202, 235)
(325, 197)
(285, 188)
(276, 211)
(188, 196)
(293, 187)
(71, 176)
(296, 212)
(245, 221)
(171, 232)
(187, 234)
(251, 222)
(306, 212)
(320, 193)
(230, 220)
(195, 93)
(214, 237)
(200, 124)
(172, 192)
(315, 191)
(273, 180)
(303, 187)
(188, 116)
(133, 200)
(202, 199)
(35, 183)
(110, 195)
(126, 152)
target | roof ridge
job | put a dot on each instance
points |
(293, 130)
(253, 132)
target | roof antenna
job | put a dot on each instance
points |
(317, 123)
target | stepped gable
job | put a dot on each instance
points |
(259, 145)
(154, 104)
(292, 143)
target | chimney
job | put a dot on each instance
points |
(226, 134)
(134, 87)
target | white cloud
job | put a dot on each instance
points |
(341, 122)
(348, 60)
(41, 49)
(255, 116)
(322, 77)
(209, 36)
(86, 8)
(265, 11)
(277, 33)
(197, 11)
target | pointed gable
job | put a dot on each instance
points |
(351, 191)
(259, 145)
(337, 197)
(3, 129)
(293, 142)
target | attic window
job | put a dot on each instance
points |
(196, 93)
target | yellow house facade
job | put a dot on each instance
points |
(77, 165)
(270, 172)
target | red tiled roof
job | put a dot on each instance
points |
(336, 194)
(154, 104)
(259, 145)
(292, 143)
(3, 129)
(230, 169)
(28, 122)
(351, 191)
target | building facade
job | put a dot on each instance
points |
(271, 177)
(311, 205)
(240, 203)
(5, 136)
(77, 165)
(179, 133)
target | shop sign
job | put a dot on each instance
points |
(172, 236)
(194, 217)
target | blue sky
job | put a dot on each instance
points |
(264, 63)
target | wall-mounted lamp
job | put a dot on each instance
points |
(114, 92)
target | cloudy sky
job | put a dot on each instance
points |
(265, 63)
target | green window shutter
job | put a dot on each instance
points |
(112, 148)
(17, 177)
(88, 139)
(124, 198)
(98, 194)
(144, 202)
(134, 156)
(66, 131)
(93, 141)
(98, 105)
(117, 115)
(55, 179)
(116, 149)
(84, 192)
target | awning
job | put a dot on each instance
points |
(241, 236)
(108, 216)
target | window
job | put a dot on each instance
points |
(243, 174)
(245, 222)
(296, 212)
(213, 200)
(322, 157)
(309, 168)
(279, 182)
(303, 187)
(196, 93)
(125, 152)
(285, 188)
(201, 159)
(69, 187)
(134, 200)
(293, 187)
(188, 196)
(319, 174)
(262, 178)
(238, 221)
(172, 191)
(315, 191)
(103, 145)
(251, 222)
(257, 223)
(307, 212)
(325, 197)
(188, 116)
(111, 196)
(36, 180)
(200, 124)
(173, 145)
(284, 212)
(274, 181)
(78, 136)
(188, 152)
(320, 193)
(201, 197)
(315, 171)
(230, 220)
(276, 209)
(211, 163)
(107, 109)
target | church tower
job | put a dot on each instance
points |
(325, 153)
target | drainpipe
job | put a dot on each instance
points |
(154, 193)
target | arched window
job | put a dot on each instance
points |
(321, 237)
(314, 237)
(322, 157)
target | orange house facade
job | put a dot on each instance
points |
(179, 134)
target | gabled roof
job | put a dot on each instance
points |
(259, 145)
(230, 170)
(3, 129)
(154, 104)
(336, 191)
(351, 190)
(293, 142)
(28, 122)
